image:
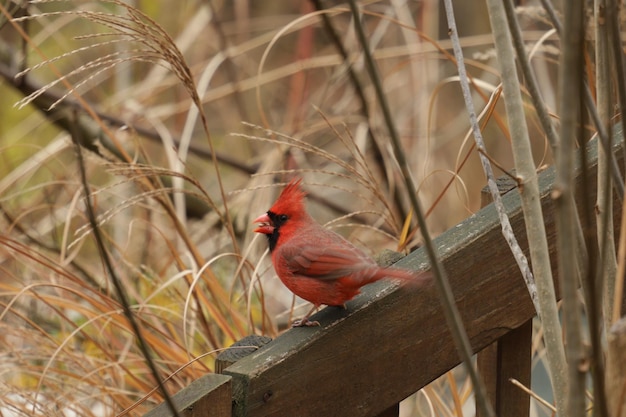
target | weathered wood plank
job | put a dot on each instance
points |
(487, 364)
(210, 395)
(238, 350)
(392, 341)
(508, 357)
(393, 411)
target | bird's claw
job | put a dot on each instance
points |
(305, 322)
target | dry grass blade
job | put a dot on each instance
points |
(73, 349)
(533, 394)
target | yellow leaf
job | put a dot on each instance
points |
(405, 231)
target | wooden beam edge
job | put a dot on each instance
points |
(189, 401)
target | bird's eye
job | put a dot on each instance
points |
(283, 218)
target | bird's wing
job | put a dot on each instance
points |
(325, 261)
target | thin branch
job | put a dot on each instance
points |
(571, 93)
(615, 47)
(121, 294)
(360, 93)
(452, 314)
(232, 70)
(532, 394)
(529, 76)
(604, 202)
(507, 230)
(607, 262)
(92, 134)
(531, 206)
(544, 116)
(605, 139)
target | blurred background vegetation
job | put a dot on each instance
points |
(187, 114)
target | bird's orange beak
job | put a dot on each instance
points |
(265, 224)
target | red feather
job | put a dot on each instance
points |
(317, 264)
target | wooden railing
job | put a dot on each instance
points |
(390, 342)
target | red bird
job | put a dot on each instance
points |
(317, 264)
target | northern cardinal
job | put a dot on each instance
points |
(317, 264)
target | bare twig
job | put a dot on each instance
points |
(533, 394)
(544, 117)
(529, 192)
(571, 93)
(507, 230)
(604, 201)
(605, 138)
(600, 290)
(615, 47)
(360, 93)
(451, 311)
(121, 293)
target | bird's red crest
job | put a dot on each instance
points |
(291, 199)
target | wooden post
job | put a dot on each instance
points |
(510, 356)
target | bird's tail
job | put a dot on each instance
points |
(404, 275)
